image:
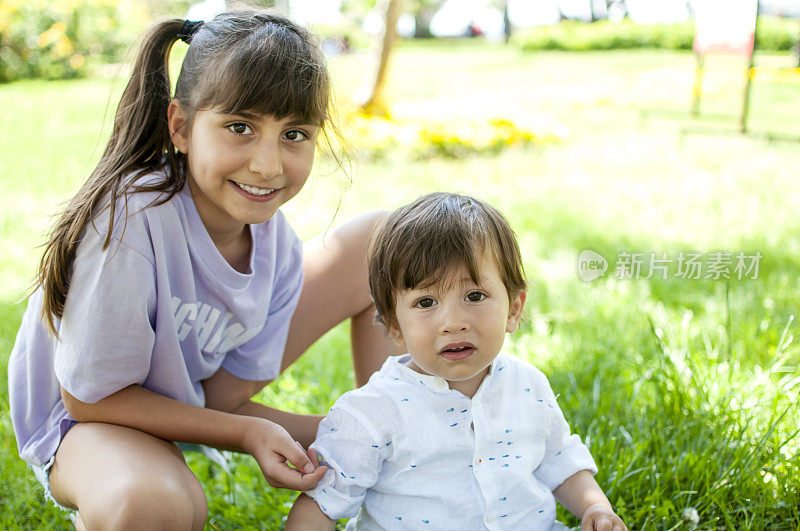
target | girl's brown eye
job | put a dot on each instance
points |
(427, 302)
(239, 128)
(295, 135)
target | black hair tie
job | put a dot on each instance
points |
(188, 29)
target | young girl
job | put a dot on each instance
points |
(172, 289)
(453, 435)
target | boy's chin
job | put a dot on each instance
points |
(465, 376)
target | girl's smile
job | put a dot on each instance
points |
(254, 193)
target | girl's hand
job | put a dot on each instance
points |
(272, 447)
(601, 517)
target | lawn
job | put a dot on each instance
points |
(684, 389)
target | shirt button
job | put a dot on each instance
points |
(440, 383)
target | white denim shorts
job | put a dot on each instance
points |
(42, 474)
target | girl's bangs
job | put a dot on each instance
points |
(268, 82)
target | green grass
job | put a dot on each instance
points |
(685, 390)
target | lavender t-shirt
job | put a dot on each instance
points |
(160, 308)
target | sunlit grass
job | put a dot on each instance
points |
(684, 389)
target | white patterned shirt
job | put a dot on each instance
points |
(407, 452)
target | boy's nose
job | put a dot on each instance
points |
(453, 320)
(265, 160)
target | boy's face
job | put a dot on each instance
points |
(455, 328)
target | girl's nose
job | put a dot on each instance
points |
(265, 160)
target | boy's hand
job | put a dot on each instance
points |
(601, 517)
(272, 447)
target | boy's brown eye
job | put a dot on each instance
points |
(475, 296)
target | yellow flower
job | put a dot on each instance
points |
(51, 35)
(64, 47)
(76, 61)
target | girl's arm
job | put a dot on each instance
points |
(226, 392)
(582, 496)
(169, 419)
(307, 516)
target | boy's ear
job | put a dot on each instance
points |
(515, 311)
(176, 118)
(394, 333)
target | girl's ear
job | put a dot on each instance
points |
(515, 312)
(177, 130)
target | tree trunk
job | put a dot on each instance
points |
(506, 23)
(370, 97)
(422, 22)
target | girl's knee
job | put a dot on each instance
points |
(158, 503)
(359, 229)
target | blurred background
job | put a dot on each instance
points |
(654, 191)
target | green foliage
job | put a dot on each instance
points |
(347, 36)
(777, 34)
(61, 39)
(773, 34)
(605, 35)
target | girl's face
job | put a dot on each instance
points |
(242, 168)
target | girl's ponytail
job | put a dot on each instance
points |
(139, 143)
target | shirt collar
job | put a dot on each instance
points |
(395, 368)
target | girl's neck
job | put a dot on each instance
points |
(231, 238)
(236, 251)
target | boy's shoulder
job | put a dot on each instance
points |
(519, 367)
(529, 379)
(379, 390)
(380, 396)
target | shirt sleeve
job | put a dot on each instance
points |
(564, 453)
(260, 357)
(354, 454)
(106, 332)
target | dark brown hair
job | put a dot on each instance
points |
(420, 243)
(241, 61)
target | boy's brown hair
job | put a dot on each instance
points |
(420, 242)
